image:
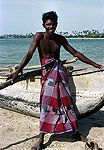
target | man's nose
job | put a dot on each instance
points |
(51, 26)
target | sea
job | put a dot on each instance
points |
(12, 51)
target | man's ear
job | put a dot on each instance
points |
(57, 23)
(43, 24)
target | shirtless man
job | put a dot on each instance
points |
(49, 44)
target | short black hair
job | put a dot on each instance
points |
(49, 15)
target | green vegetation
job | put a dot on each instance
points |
(83, 34)
(86, 34)
(17, 36)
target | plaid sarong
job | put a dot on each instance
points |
(56, 106)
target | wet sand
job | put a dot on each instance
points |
(21, 132)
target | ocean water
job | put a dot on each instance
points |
(12, 51)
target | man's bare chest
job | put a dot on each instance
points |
(49, 45)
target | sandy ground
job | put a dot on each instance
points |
(21, 132)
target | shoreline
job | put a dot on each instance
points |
(65, 37)
(86, 38)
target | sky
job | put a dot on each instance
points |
(24, 16)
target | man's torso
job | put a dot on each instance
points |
(49, 48)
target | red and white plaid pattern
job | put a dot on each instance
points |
(56, 104)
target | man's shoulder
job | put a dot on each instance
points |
(60, 36)
(39, 35)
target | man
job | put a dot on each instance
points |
(56, 105)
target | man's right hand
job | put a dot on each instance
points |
(12, 76)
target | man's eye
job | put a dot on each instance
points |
(48, 24)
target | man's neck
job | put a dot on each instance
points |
(49, 36)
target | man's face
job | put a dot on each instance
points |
(50, 26)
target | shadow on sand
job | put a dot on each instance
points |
(95, 120)
(19, 142)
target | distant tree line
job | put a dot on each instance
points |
(11, 36)
(75, 34)
(84, 34)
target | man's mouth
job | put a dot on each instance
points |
(52, 30)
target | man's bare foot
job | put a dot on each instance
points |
(89, 143)
(39, 145)
(78, 136)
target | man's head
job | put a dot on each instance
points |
(49, 15)
(50, 21)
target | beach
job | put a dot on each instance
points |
(21, 132)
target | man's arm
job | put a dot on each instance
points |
(77, 54)
(27, 57)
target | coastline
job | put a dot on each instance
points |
(87, 38)
(66, 38)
